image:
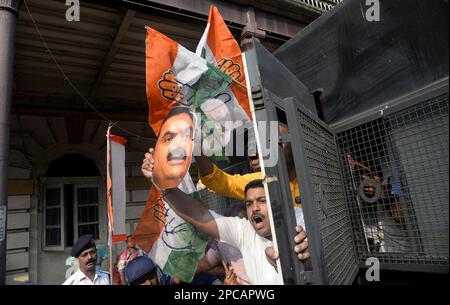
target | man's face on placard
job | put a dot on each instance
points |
(173, 151)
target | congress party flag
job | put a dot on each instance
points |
(220, 49)
(178, 83)
(170, 71)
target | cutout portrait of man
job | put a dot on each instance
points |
(173, 149)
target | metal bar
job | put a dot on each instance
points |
(9, 10)
(279, 200)
(307, 194)
(408, 100)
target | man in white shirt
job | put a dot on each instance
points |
(252, 237)
(85, 252)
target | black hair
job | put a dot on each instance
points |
(254, 184)
(176, 110)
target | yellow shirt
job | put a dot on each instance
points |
(233, 186)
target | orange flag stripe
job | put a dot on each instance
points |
(223, 45)
(161, 52)
(149, 227)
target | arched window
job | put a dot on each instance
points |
(71, 203)
(72, 165)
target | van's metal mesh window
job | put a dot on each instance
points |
(213, 201)
(322, 158)
(221, 204)
(396, 174)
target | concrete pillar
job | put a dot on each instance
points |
(9, 11)
(250, 31)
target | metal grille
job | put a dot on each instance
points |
(217, 203)
(333, 215)
(322, 6)
(396, 175)
(212, 201)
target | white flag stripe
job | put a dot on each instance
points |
(188, 67)
(118, 187)
(236, 112)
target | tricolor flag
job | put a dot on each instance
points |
(177, 76)
(211, 83)
(174, 76)
(221, 50)
(171, 70)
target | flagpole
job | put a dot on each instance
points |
(238, 83)
(108, 195)
(110, 265)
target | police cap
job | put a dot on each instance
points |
(83, 243)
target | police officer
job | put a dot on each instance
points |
(85, 251)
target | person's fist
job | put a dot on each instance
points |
(147, 164)
(231, 278)
(302, 246)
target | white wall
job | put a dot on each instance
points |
(18, 233)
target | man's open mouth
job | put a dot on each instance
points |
(258, 219)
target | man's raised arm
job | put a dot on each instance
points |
(191, 210)
(205, 166)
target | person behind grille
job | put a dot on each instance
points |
(384, 220)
